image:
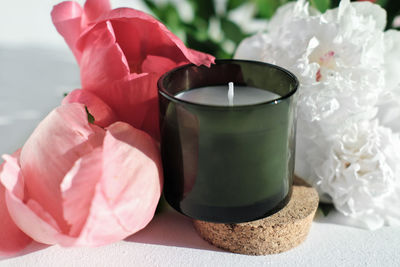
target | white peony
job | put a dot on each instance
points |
(347, 67)
(361, 173)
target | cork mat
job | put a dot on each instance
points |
(277, 233)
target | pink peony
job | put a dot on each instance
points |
(76, 184)
(121, 54)
(12, 239)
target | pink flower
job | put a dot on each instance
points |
(121, 54)
(76, 184)
(12, 239)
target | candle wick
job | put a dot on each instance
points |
(231, 93)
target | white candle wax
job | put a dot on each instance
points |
(221, 96)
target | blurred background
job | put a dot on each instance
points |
(213, 26)
(217, 26)
(37, 68)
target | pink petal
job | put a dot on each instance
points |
(156, 64)
(24, 216)
(66, 18)
(50, 152)
(93, 9)
(103, 61)
(135, 101)
(132, 175)
(151, 119)
(129, 22)
(86, 206)
(12, 239)
(200, 58)
(12, 172)
(78, 188)
(38, 227)
(101, 226)
(102, 113)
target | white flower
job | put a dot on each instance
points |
(389, 108)
(347, 67)
(361, 173)
(338, 58)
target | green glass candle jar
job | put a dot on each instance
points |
(228, 160)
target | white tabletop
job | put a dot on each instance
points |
(170, 240)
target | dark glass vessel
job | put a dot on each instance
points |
(228, 164)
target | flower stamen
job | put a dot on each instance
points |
(318, 76)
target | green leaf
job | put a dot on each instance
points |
(382, 2)
(232, 4)
(198, 30)
(89, 116)
(65, 94)
(267, 8)
(221, 54)
(335, 3)
(171, 17)
(232, 31)
(206, 46)
(150, 4)
(325, 208)
(321, 5)
(204, 8)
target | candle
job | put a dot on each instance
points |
(227, 151)
(227, 96)
(231, 94)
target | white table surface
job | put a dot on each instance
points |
(32, 82)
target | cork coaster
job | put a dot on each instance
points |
(277, 233)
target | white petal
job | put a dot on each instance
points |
(251, 48)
